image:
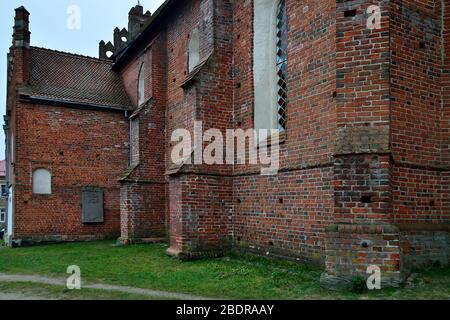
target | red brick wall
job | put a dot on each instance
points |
(295, 227)
(200, 215)
(175, 223)
(362, 60)
(419, 128)
(351, 249)
(80, 148)
(284, 215)
(143, 196)
(362, 193)
(445, 127)
(420, 196)
(142, 208)
(415, 81)
(362, 165)
(152, 117)
(445, 123)
(422, 250)
(130, 76)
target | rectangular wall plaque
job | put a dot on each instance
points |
(92, 205)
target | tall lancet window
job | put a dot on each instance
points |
(281, 47)
(141, 85)
(270, 64)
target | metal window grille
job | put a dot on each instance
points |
(281, 65)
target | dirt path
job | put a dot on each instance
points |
(19, 296)
(62, 282)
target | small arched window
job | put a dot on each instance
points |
(42, 181)
(194, 50)
(281, 48)
(141, 85)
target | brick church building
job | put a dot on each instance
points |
(363, 112)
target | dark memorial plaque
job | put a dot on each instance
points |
(92, 205)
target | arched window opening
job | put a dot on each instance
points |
(42, 181)
(194, 50)
(281, 48)
(141, 85)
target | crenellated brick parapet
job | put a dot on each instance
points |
(137, 20)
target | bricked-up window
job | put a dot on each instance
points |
(281, 49)
(141, 85)
(42, 181)
(194, 50)
(134, 141)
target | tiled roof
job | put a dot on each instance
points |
(73, 78)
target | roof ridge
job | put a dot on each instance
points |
(76, 55)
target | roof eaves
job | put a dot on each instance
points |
(74, 104)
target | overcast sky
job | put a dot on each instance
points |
(48, 26)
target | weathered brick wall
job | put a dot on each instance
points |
(366, 145)
(445, 123)
(202, 216)
(362, 166)
(175, 223)
(311, 80)
(362, 189)
(201, 208)
(419, 197)
(351, 249)
(422, 250)
(130, 75)
(77, 147)
(181, 114)
(362, 60)
(142, 209)
(418, 129)
(415, 81)
(363, 234)
(143, 199)
(286, 215)
(152, 116)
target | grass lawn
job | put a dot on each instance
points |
(147, 266)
